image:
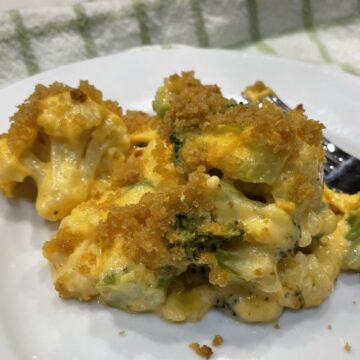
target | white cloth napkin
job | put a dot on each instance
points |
(323, 31)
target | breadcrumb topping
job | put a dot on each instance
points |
(276, 326)
(143, 226)
(347, 347)
(137, 121)
(24, 127)
(217, 340)
(201, 350)
(200, 106)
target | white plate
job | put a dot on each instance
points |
(36, 324)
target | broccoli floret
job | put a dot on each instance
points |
(249, 306)
(186, 85)
(132, 288)
(354, 231)
(196, 235)
(167, 275)
(177, 144)
(172, 86)
(162, 101)
(59, 137)
(352, 258)
(251, 265)
(264, 224)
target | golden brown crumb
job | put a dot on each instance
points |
(203, 106)
(163, 154)
(23, 128)
(64, 242)
(97, 96)
(347, 347)
(136, 121)
(203, 351)
(217, 340)
(130, 173)
(329, 327)
(276, 326)
(77, 95)
(122, 333)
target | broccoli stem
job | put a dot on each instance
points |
(354, 224)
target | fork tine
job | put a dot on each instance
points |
(328, 167)
(274, 99)
(331, 158)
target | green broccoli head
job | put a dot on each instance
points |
(351, 260)
(135, 288)
(165, 94)
(199, 234)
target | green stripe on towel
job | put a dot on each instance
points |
(254, 28)
(253, 20)
(308, 22)
(265, 47)
(83, 24)
(26, 49)
(201, 33)
(142, 18)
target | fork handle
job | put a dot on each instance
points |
(345, 176)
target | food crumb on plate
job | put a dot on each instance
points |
(329, 327)
(354, 302)
(122, 333)
(217, 340)
(276, 326)
(202, 350)
(347, 347)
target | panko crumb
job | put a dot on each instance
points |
(329, 327)
(203, 351)
(276, 326)
(217, 340)
(347, 347)
(122, 333)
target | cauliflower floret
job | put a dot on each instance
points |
(59, 137)
(11, 170)
(77, 260)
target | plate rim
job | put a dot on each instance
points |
(327, 69)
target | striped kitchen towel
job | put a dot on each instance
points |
(323, 31)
